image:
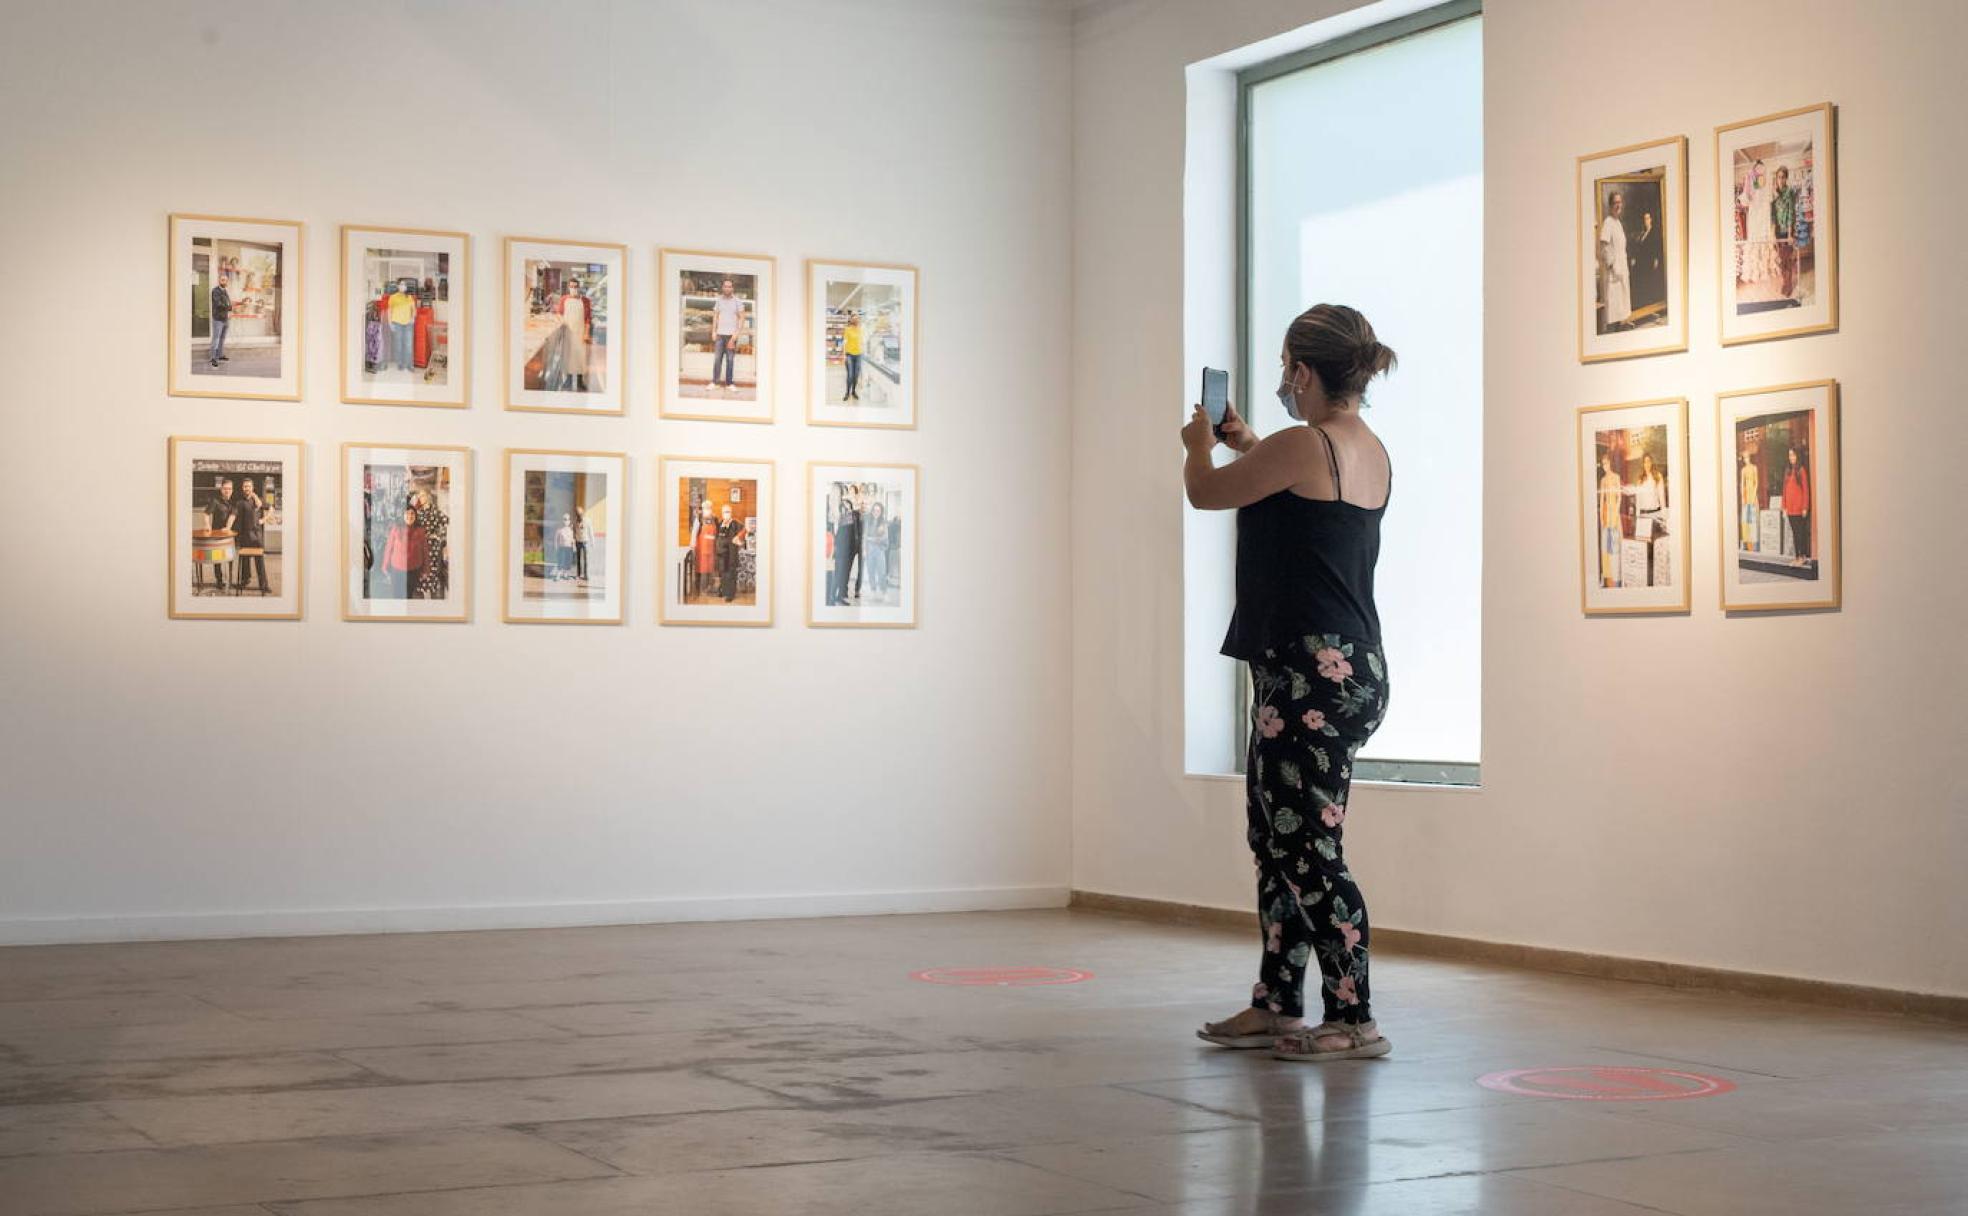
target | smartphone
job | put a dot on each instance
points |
(1216, 397)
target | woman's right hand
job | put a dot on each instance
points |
(1236, 436)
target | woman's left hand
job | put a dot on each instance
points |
(1197, 434)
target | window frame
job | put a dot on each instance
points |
(1402, 772)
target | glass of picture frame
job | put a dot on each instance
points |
(1776, 184)
(566, 310)
(862, 545)
(406, 317)
(715, 541)
(863, 344)
(564, 525)
(1632, 463)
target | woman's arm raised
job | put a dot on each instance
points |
(1277, 462)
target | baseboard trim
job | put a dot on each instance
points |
(1854, 997)
(318, 922)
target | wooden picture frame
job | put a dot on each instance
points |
(681, 399)
(258, 308)
(533, 604)
(1762, 567)
(673, 606)
(598, 259)
(1634, 528)
(451, 308)
(891, 358)
(821, 611)
(1805, 139)
(457, 540)
(1650, 326)
(193, 548)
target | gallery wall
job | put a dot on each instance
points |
(1774, 793)
(176, 778)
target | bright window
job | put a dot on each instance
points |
(1363, 185)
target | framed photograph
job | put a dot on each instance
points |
(861, 545)
(1779, 497)
(861, 345)
(1777, 199)
(1633, 251)
(715, 553)
(1633, 507)
(717, 335)
(565, 302)
(406, 533)
(406, 317)
(237, 526)
(565, 514)
(235, 311)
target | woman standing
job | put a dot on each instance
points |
(1610, 529)
(704, 550)
(874, 559)
(1797, 505)
(1748, 481)
(1309, 501)
(433, 579)
(1650, 500)
(1759, 261)
(404, 552)
(575, 321)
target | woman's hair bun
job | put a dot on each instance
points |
(1340, 347)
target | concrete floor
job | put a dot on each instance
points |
(794, 1067)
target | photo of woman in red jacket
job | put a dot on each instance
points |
(1797, 504)
(404, 553)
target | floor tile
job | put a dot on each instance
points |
(74, 1184)
(381, 1109)
(945, 1184)
(1895, 1174)
(82, 1081)
(1286, 1156)
(63, 1128)
(557, 1057)
(978, 1122)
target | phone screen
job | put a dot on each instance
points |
(1216, 394)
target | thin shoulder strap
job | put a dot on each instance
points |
(1332, 457)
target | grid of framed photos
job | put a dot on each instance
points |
(1776, 248)
(406, 528)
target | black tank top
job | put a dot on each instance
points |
(1305, 565)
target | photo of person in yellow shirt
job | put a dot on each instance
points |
(851, 349)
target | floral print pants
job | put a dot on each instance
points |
(1313, 703)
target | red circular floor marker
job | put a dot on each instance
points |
(1000, 977)
(1606, 1083)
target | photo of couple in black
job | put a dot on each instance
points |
(240, 509)
(864, 546)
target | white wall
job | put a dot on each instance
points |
(1776, 794)
(548, 774)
